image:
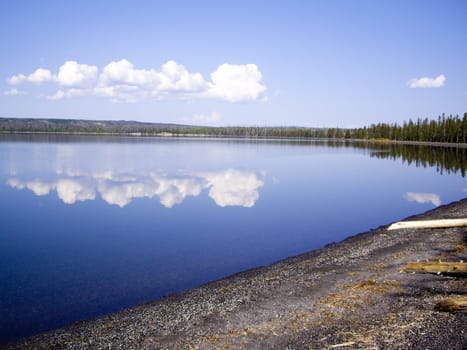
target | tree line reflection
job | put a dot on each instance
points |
(449, 160)
(444, 159)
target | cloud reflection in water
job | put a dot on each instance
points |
(227, 188)
(421, 197)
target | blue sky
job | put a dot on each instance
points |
(308, 63)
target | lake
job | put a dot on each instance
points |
(92, 224)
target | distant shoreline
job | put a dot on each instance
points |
(207, 136)
(446, 130)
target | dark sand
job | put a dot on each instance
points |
(349, 295)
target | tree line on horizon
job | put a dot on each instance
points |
(450, 129)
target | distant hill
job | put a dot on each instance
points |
(86, 126)
(122, 127)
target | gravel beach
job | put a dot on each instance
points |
(348, 295)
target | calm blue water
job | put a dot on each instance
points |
(90, 225)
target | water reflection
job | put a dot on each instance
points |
(445, 159)
(230, 187)
(422, 198)
(107, 262)
(38, 187)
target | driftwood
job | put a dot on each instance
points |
(437, 267)
(428, 224)
(452, 305)
(349, 343)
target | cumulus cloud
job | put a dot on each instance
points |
(206, 118)
(17, 79)
(71, 73)
(174, 191)
(57, 96)
(227, 188)
(121, 81)
(15, 183)
(171, 191)
(123, 72)
(120, 93)
(61, 94)
(419, 197)
(39, 76)
(121, 194)
(68, 190)
(174, 76)
(39, 188)
(236, 83)
(13, 92)
(426, 82)
(73, 190)
(234, 187)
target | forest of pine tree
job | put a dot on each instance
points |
(451, 129)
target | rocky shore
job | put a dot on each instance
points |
(348, 295)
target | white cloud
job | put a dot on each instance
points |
(121, 93)
(426, 82)
(39, 188)
(71, 73)
(13, 92)
(419, 197)
(207, 118)
(174, 191)
(227, 188)
(174, 76)
(39, 76)
(234, 188)
(17, 79)
(70, 191)
(122, 82)
(121, 194)
(236, 83)
(57, 96)
(104, 175)
(15, 183)
(124, 73)
(60, 94)
(171, 191)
